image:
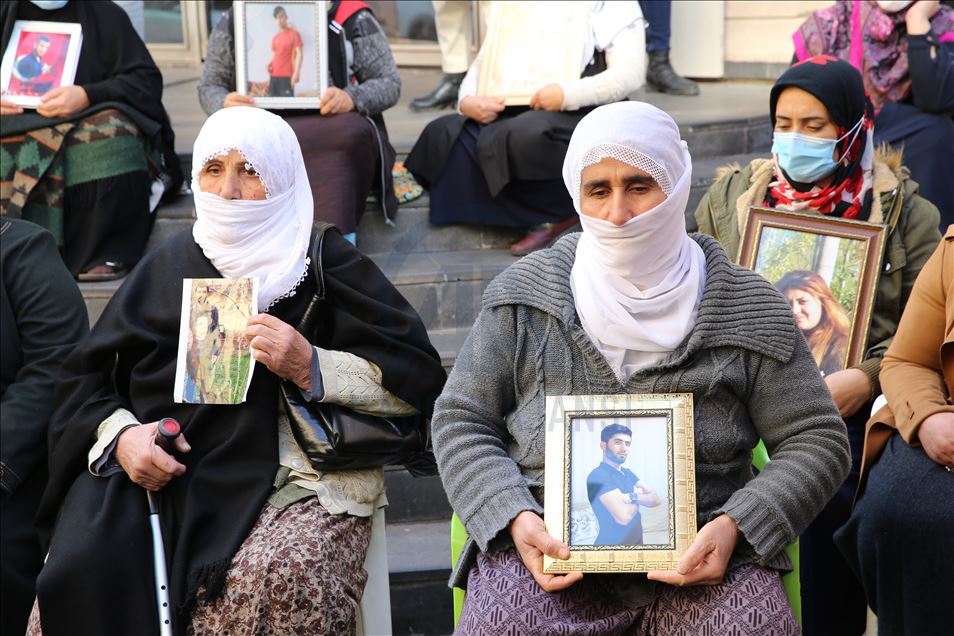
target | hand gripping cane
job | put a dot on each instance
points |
(169, 430)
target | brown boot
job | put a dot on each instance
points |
(541, 237)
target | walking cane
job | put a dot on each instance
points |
(169, 430)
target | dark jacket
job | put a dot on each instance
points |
(42, 317)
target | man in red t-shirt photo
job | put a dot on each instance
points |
(285, 67)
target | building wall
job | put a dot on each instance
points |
(761, 32)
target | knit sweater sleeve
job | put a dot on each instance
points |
(483, 483)
(625, 73)
(218, 70)
(379, 84)
(808, 446)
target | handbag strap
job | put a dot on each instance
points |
(317, 251)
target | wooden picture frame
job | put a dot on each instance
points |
(39, 57)
(845, 256)
(256, 31)
(530, 45)
(581, 481)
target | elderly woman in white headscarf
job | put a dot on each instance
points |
(256, 540)
(635, 305)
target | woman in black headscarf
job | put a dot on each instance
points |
(256, 539)
(87, 162)
(824, 162)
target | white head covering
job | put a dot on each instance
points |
(637, 286)
(266, 239)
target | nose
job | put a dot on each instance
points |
(231, 186)
(619, 208)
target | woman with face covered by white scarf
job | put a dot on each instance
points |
(257, 541)
(635, 305)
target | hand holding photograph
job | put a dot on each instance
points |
(827, 269)
(620, 481)
(40, 56)
(215, 364)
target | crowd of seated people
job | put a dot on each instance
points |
(862, 130)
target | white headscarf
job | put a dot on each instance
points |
(266, 239)
(637, 286)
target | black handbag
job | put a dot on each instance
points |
(335, 437)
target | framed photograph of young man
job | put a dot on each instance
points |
(620, 481)
(827, 269)
(281, 51)
(40, 56)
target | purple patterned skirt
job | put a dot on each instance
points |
(504, 599)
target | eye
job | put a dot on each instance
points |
(213, 169)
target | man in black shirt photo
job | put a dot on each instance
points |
(616, 493)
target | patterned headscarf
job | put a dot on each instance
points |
(872, 40)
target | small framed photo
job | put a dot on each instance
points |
(281, 52)
(827, 269)
(40, 56)
(530, 45)
(620, 481)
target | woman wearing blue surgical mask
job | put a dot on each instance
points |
(824, 162)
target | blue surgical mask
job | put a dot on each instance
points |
(807, 159)
(50, 5)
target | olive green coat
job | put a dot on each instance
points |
(912, 223)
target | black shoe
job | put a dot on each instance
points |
(444, 96)
(660, 76)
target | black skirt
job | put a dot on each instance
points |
(506, 173)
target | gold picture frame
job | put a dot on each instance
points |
(530, 45)
(662, 451)
(826, 267)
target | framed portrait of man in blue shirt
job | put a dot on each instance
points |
(619, 479)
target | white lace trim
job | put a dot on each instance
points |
(291, 292)
(224, 150)
(628, 156)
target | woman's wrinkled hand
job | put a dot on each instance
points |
(936, 434)
(334, 101)
(237, 99)
(705, 561)
(9, 108)
(64, 101)
(550, 97)
(483, 110)
(850, 389)
(532, 542)
(279, 347)
(144, 462)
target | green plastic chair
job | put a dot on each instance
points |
(793, 589)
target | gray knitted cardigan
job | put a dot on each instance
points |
(745, 362)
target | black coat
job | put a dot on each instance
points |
(42, 317)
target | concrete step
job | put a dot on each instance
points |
(414, 499)
(444, 287)
(419, 567)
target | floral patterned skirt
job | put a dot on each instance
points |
(299, 571)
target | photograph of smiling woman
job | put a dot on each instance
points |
(820, 316)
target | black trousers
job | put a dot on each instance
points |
(899, 541)
(280, 87)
